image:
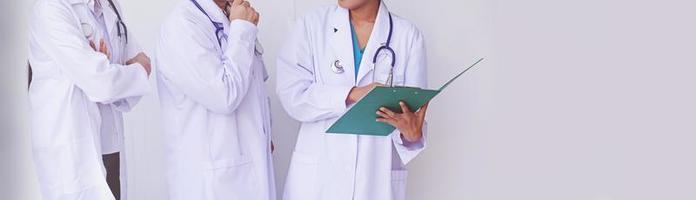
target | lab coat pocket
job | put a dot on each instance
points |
(67, 168)
(86, 170)
(302, 180)
(52, 163)
(231, 179)
(398, 178)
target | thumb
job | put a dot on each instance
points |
(376, 84)
(237, 2)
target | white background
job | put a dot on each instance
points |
(577, 100)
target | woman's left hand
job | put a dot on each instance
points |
(410, 124)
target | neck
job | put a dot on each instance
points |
(366, 13)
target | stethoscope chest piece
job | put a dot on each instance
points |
(337, 67)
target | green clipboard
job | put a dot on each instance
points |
(360, 119)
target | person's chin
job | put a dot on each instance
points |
(346, 4)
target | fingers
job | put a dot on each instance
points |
(104, 49)
(388, 112)
(254, 16)
(143, 60)
(383, 115)
(241, 9)
(375, 84)
(134, 59)
(258, 18)
(237, 2)
(243, 3)
(388, 121)
(404, 107)
(229, 6)
(102, 46)
(421, 113)
(91, 44)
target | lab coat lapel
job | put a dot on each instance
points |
(83, 15)
(378, 37)
(110, 21)
(340, 42)
(71, 2)
(217, 16)
(214, 12)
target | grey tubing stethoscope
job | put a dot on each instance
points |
(119, 23)
(122, 30)
(338, 68)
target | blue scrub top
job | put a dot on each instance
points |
(357, 51)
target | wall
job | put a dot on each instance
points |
(577, 100)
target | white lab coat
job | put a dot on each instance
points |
(343, 166)
(75, 93)
(215, 109)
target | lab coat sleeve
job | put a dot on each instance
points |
(88, 69)
(191, 63)
(416, 76)
(301, 95)
(127, 104)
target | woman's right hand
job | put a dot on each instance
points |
(241, 9)
(102, 48)
(358, 92)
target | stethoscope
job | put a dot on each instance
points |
(219, 28)
(337, 67)
(121, 29)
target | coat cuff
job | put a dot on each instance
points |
(242, 30)
(409, 150)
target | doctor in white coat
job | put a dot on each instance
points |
(215, 109)
(77, 93)
(318, 79)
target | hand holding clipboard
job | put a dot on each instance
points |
(360, 119)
